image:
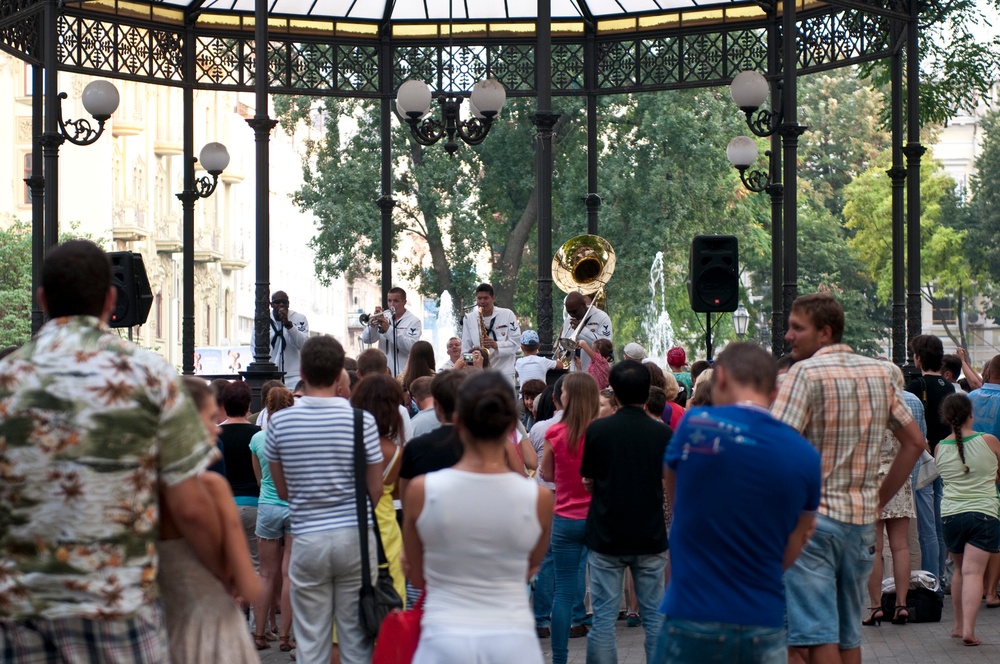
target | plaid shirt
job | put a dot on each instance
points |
(843, 403)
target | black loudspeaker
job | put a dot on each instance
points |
(135, 298)
(714, 284)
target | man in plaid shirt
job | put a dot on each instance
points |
(842, 403)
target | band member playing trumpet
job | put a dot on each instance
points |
(395, 330)
(596, 325)
(502, 335)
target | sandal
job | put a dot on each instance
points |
(900, 616)
(260, 642)
(874, 617)
(286, 644)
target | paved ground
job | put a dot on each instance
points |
(927, 643)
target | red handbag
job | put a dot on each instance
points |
(399, 635)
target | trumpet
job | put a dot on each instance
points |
(366, 319)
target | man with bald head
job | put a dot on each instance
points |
(597, 325)
(289, 330)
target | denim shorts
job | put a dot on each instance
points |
(980, 530)
(826, 587)
(273, 521)
(692, 642)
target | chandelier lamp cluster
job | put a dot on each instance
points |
(750, 90)
(413, 103)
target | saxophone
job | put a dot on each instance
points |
(483, 335)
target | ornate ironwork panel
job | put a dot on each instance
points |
(463, 67)
(278, 76)
(419, 62)
(616, 64)
(21, 38)
(312, 67)
(129, 50)
(357, 67)
(659, 61)
(850, 35)
(568, 72)
(704, 56)
(514, 66)
(167, 55)
(88, 43)
(747, 50)
(222, 61)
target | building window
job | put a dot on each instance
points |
(27, 174)
(944, 311)
(159, 315)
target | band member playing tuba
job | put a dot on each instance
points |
(395, 332)
(596, 324)
(502, 334)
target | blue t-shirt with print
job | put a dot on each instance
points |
(743, 480)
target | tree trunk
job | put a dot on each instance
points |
(440, 264)
(506, 268)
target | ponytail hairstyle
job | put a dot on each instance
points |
(486, 406)
(956, 409)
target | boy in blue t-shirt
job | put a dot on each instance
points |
(745, 488)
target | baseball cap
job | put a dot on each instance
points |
(529, 338)
(634, 351)
(676, 357)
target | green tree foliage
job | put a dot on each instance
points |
(844, 137)
(983, 211)
(957, 62)
(15, 279)
(946, 269)
(15, 284)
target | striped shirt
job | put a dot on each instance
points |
(843, 403)
(314, 444)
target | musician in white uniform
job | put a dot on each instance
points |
(503, 336)
(394, 333)
(597, 325)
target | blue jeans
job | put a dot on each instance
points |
(543, 588)
(567, 552)
(691, 642)
(930, 532)
(826, 587)
(606, 575)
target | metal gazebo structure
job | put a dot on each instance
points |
(535, 48)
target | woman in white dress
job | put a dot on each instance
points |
(473, 535)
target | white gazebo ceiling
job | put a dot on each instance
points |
(458, 10)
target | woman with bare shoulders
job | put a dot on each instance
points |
(204, 624)
(476, 516)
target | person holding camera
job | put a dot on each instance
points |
(289, 330)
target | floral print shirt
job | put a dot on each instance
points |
(90, 424)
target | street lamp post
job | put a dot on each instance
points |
(100, 99)
(741, 318)
(213, 158)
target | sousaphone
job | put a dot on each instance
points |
(584, 263)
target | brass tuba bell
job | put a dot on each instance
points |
(583, 263)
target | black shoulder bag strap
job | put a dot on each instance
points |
(361, 490)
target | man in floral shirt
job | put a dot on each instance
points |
(94, 433)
